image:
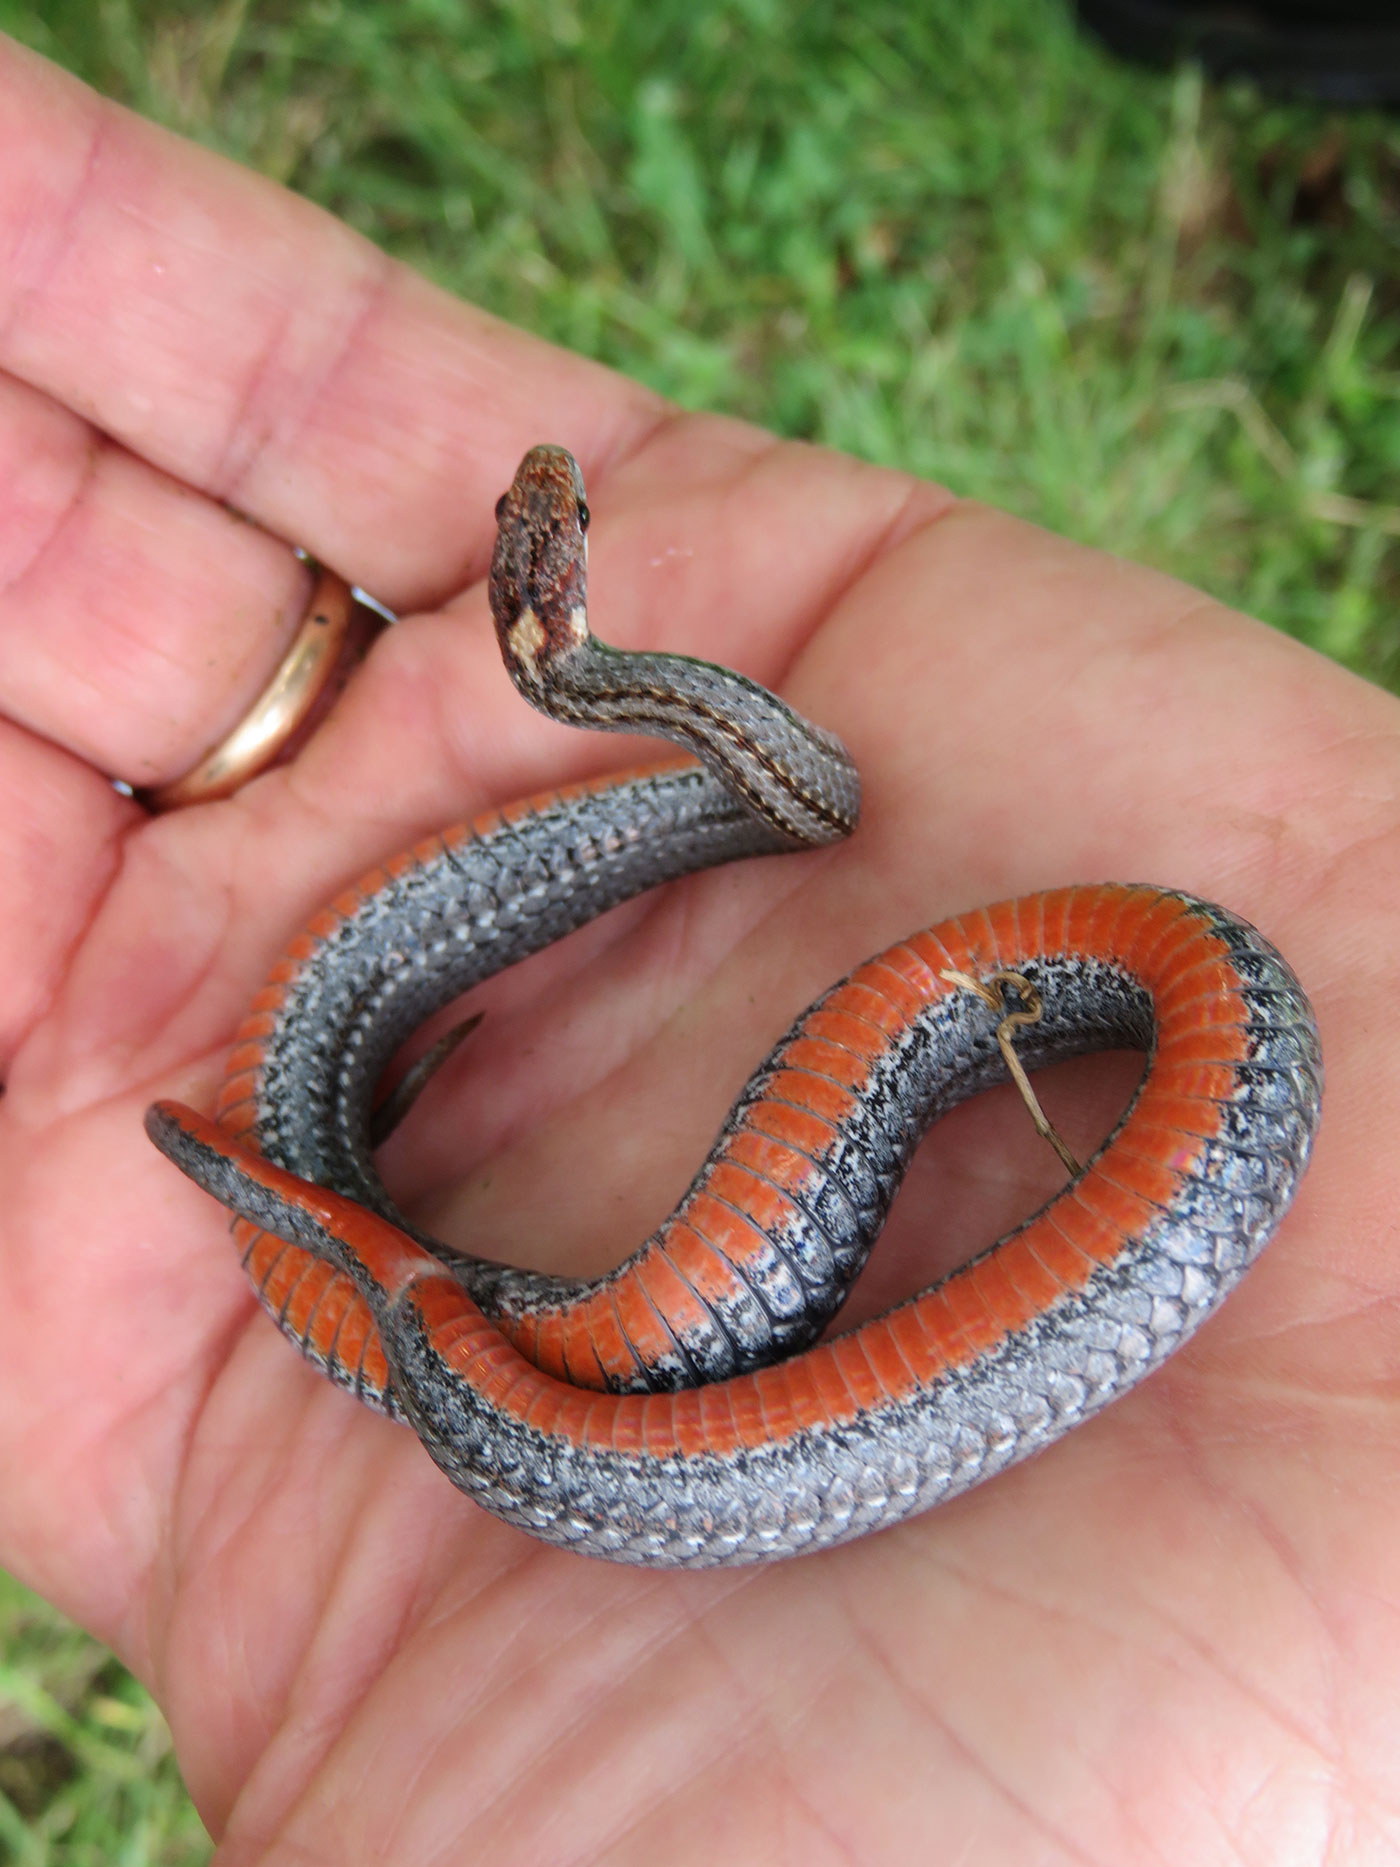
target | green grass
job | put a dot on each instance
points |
(951, 237)
(87, 1776)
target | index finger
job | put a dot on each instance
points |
(265, 353)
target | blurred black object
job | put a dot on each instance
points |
(1345, 52)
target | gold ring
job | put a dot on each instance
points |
(332, 641)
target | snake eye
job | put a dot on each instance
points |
(501, 507)
(583, 516)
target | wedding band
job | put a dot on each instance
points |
(333, 639)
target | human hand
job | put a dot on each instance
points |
(1102, 1655)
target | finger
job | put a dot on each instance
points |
(60, 845)
(173, 373)
(138, 620)
(265, 353)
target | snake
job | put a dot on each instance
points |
(694, 1408)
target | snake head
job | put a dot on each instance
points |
(539, 570)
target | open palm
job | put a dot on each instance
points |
(1174, 1636)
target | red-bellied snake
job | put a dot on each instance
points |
(680, 1411)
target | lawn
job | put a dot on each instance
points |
(1158, 316)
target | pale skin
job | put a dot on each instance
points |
(1172, 1638)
